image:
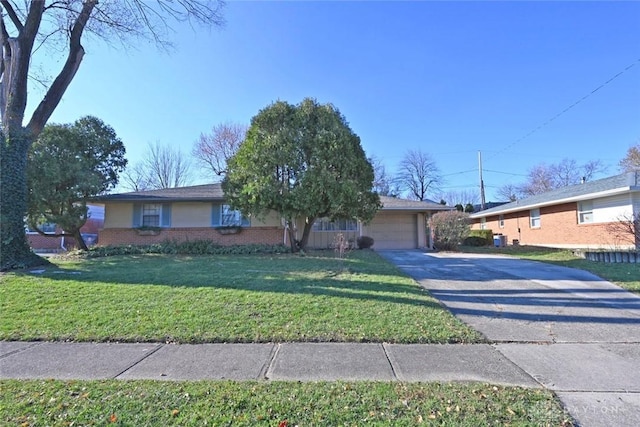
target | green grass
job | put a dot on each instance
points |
(625, 275)
(129, 403)
(230, 298)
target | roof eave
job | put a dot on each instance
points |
(607, 193)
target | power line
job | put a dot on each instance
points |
(505, 173)
(568, 108)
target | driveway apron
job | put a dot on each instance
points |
(570, 330)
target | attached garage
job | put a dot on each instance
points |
(401, 223)
(392, 230)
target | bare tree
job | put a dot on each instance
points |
(28, 29)
(542, 178)
(418, 174)
(383, 184)
(631, 161)
(212, 150)
(166, 167)
(626, 229)
(510, 192)
(539, 180)
(461, 197)
(135, 178)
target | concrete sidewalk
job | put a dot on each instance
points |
(287, 361)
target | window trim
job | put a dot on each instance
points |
(29, 231)
(218, 215)
(483, 223)
(319, 228)
(142, 215)
(501, 221)
(582, 212)
(533, 217)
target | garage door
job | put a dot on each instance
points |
(393, 231)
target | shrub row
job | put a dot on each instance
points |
(195, 247)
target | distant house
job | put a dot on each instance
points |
(577, 216)
(52, 243)
(200, 213)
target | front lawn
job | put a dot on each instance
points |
(625, 275)
(142, 403)
(225, 298)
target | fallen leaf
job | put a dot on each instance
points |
(113, 418)
(284, 423)
(175, 413)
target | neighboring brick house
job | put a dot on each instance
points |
(577, 216)
(200, 213)
(89, 230)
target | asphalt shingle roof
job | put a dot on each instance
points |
(629, 181)
(193, 193)
(394, 203)
(209, 192)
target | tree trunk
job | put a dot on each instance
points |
(14, 249)
(80, 243)
(291, 232)
(305, 233)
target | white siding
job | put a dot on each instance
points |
(610, 209)
(636, 203)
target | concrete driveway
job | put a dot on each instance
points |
(573, 332)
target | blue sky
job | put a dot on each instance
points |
(448, 78)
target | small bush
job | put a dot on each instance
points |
(475, 241)
(364, 242)
(486, 235)
(450, 228)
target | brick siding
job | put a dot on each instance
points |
(129, 236)
(558, 227)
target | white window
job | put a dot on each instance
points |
(151, 214)
(483, 223)
(534, 218)
(324, 224)
(501, 221)
(230, 216)
(585, 212)
(46, 227)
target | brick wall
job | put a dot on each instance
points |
(558, 227)
(128, 236)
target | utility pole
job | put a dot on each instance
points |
(482, 199)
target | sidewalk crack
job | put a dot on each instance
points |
(267, 366)
(393, 369)
(139, 360)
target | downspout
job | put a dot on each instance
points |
(62, 244)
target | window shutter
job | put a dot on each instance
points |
(215, 214)
(137, 215)
(166, 215)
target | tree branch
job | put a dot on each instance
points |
(12, 14)
(62, 81)
(14, 90)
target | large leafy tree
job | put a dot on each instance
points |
(66, 166)
(304, 162)
(29, 29)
